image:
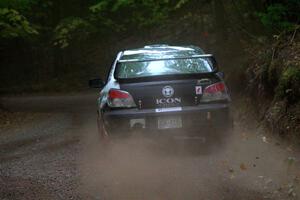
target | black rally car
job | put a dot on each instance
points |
(162, 87)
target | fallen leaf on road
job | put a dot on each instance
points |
(243, 166)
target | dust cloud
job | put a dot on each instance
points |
(155, 168)
(136, 168)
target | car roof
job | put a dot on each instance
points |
(161, 51)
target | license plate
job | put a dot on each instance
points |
(173, 109)
(169, 122)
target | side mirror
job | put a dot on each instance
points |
(221, 75)
(96, 83)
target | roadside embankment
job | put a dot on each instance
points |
(272, 82)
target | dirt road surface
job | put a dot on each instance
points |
(53, 152)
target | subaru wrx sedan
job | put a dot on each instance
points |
(163, 88)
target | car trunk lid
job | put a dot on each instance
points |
(167, 93)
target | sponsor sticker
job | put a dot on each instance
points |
(168, 101)
(198, 89)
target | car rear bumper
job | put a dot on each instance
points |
(209, 115)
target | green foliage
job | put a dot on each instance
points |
(99, 7)
(281, 16)
(275, 17)
(13, 24)
(131, 13)
(289, 85)
(181, 3)
(20, 5)
(71, 29)
(102, 18)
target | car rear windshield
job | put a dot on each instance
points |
(163, 67)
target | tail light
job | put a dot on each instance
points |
(215, 92)
(120, 99)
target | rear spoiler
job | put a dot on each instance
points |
(173, 58)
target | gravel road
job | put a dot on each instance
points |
(54, 153)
